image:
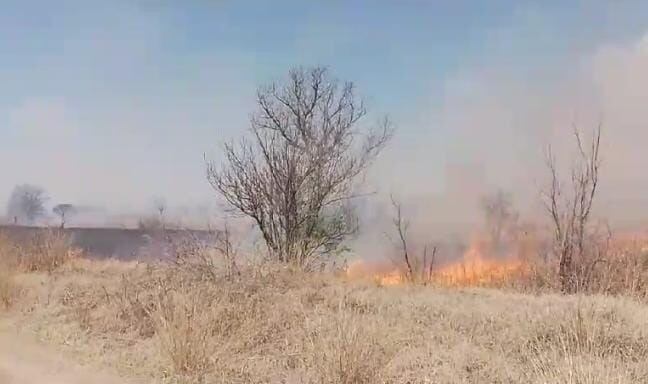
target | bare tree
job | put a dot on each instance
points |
(570, 209)
(26, 203)
(296, 174)
(500, 216)
(416, 264)
(64, 211)
(402, 226)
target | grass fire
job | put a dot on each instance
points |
(329, 192)
(474, 268)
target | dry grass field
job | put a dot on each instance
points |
(184, 324)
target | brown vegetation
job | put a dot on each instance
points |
(209, 317)
(44, 251)
(270, 323)
(7, 289)
(570, 212)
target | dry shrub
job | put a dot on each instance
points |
(46, 251)
(43, 250)
(212, 259)
(610, 266)
(621, 270)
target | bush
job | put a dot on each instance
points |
(44, 251)
(612, 267)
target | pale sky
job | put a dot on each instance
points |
(112, 103)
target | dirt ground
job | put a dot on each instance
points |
(23, 360)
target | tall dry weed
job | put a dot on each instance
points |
(587, 344)
(43, 250)
(610, 266)
(8, 289)
(46, 251)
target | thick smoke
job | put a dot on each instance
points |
(495, 127)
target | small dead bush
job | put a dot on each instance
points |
(621, 270)
(212, 258)
(610, 267)
(46, 251)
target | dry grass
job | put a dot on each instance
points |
(272, 324)
(8, 289)
(43, 251)
(275, 325)
(46, 251)
(617, 268)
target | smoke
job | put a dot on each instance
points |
(496, 124)
(132, 123)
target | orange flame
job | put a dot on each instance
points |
(381, 275)
(475, 268)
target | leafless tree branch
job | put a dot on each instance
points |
(570, 213)
(296, 174)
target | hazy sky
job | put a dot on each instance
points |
(111, 103)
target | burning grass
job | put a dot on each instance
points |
(464, 273)
(480, 272)
(614, 266)
(475, 269)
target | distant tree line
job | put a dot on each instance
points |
(27, 202)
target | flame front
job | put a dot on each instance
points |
(473, 269)
(482, 265)
(394, 277)
(379, 274)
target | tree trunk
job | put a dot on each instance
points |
(565, 272)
